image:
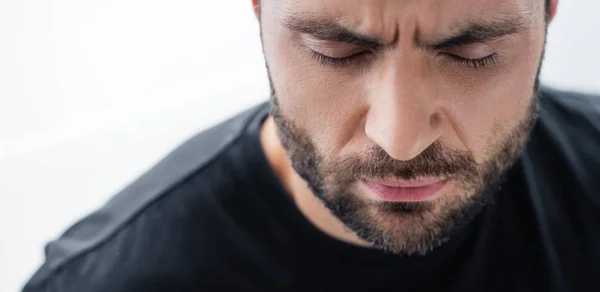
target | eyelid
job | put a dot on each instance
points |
(313, 41)
(332, 49)
(337, 54)
(479, 63)
(473, 51)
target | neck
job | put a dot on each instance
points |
(312, 208)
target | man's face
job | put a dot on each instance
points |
(402, 115)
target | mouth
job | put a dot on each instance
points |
(417, 190)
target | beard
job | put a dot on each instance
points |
(406, 228)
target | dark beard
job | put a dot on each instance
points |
(331, 183)
(405, 228)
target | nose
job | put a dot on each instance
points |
(403, 118)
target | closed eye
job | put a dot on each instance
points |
(338, 61)
(476, 63)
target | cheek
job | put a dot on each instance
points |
(327, 105)
(491, 106)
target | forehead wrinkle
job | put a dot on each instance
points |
(519, 13)
(376, 20)
(290, 9)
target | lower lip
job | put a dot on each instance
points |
(405, 194)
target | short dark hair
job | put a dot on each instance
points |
(547, 8)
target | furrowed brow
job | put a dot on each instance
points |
(481, 32)
(328, 30)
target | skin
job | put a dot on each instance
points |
(397, 103)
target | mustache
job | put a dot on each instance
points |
(435, 161)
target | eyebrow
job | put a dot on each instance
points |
(481, 31)
(329, 30)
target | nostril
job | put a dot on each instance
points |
(436, 119)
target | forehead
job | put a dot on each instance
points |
(387, 17)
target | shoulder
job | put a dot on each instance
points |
(132, 235)
(575, 113)
(566, 141)
(561, 164)
(572, 121)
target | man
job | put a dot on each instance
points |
(408, 147)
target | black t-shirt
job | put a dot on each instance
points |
(212, 216)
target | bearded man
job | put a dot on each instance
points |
(406, 146)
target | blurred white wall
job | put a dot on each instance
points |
(94, 92)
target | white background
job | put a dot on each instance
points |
(92, 93)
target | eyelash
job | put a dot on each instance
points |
(484, 62)
(337, 62)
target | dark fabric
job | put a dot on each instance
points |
(212, 216)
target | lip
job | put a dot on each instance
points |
(418, 190)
